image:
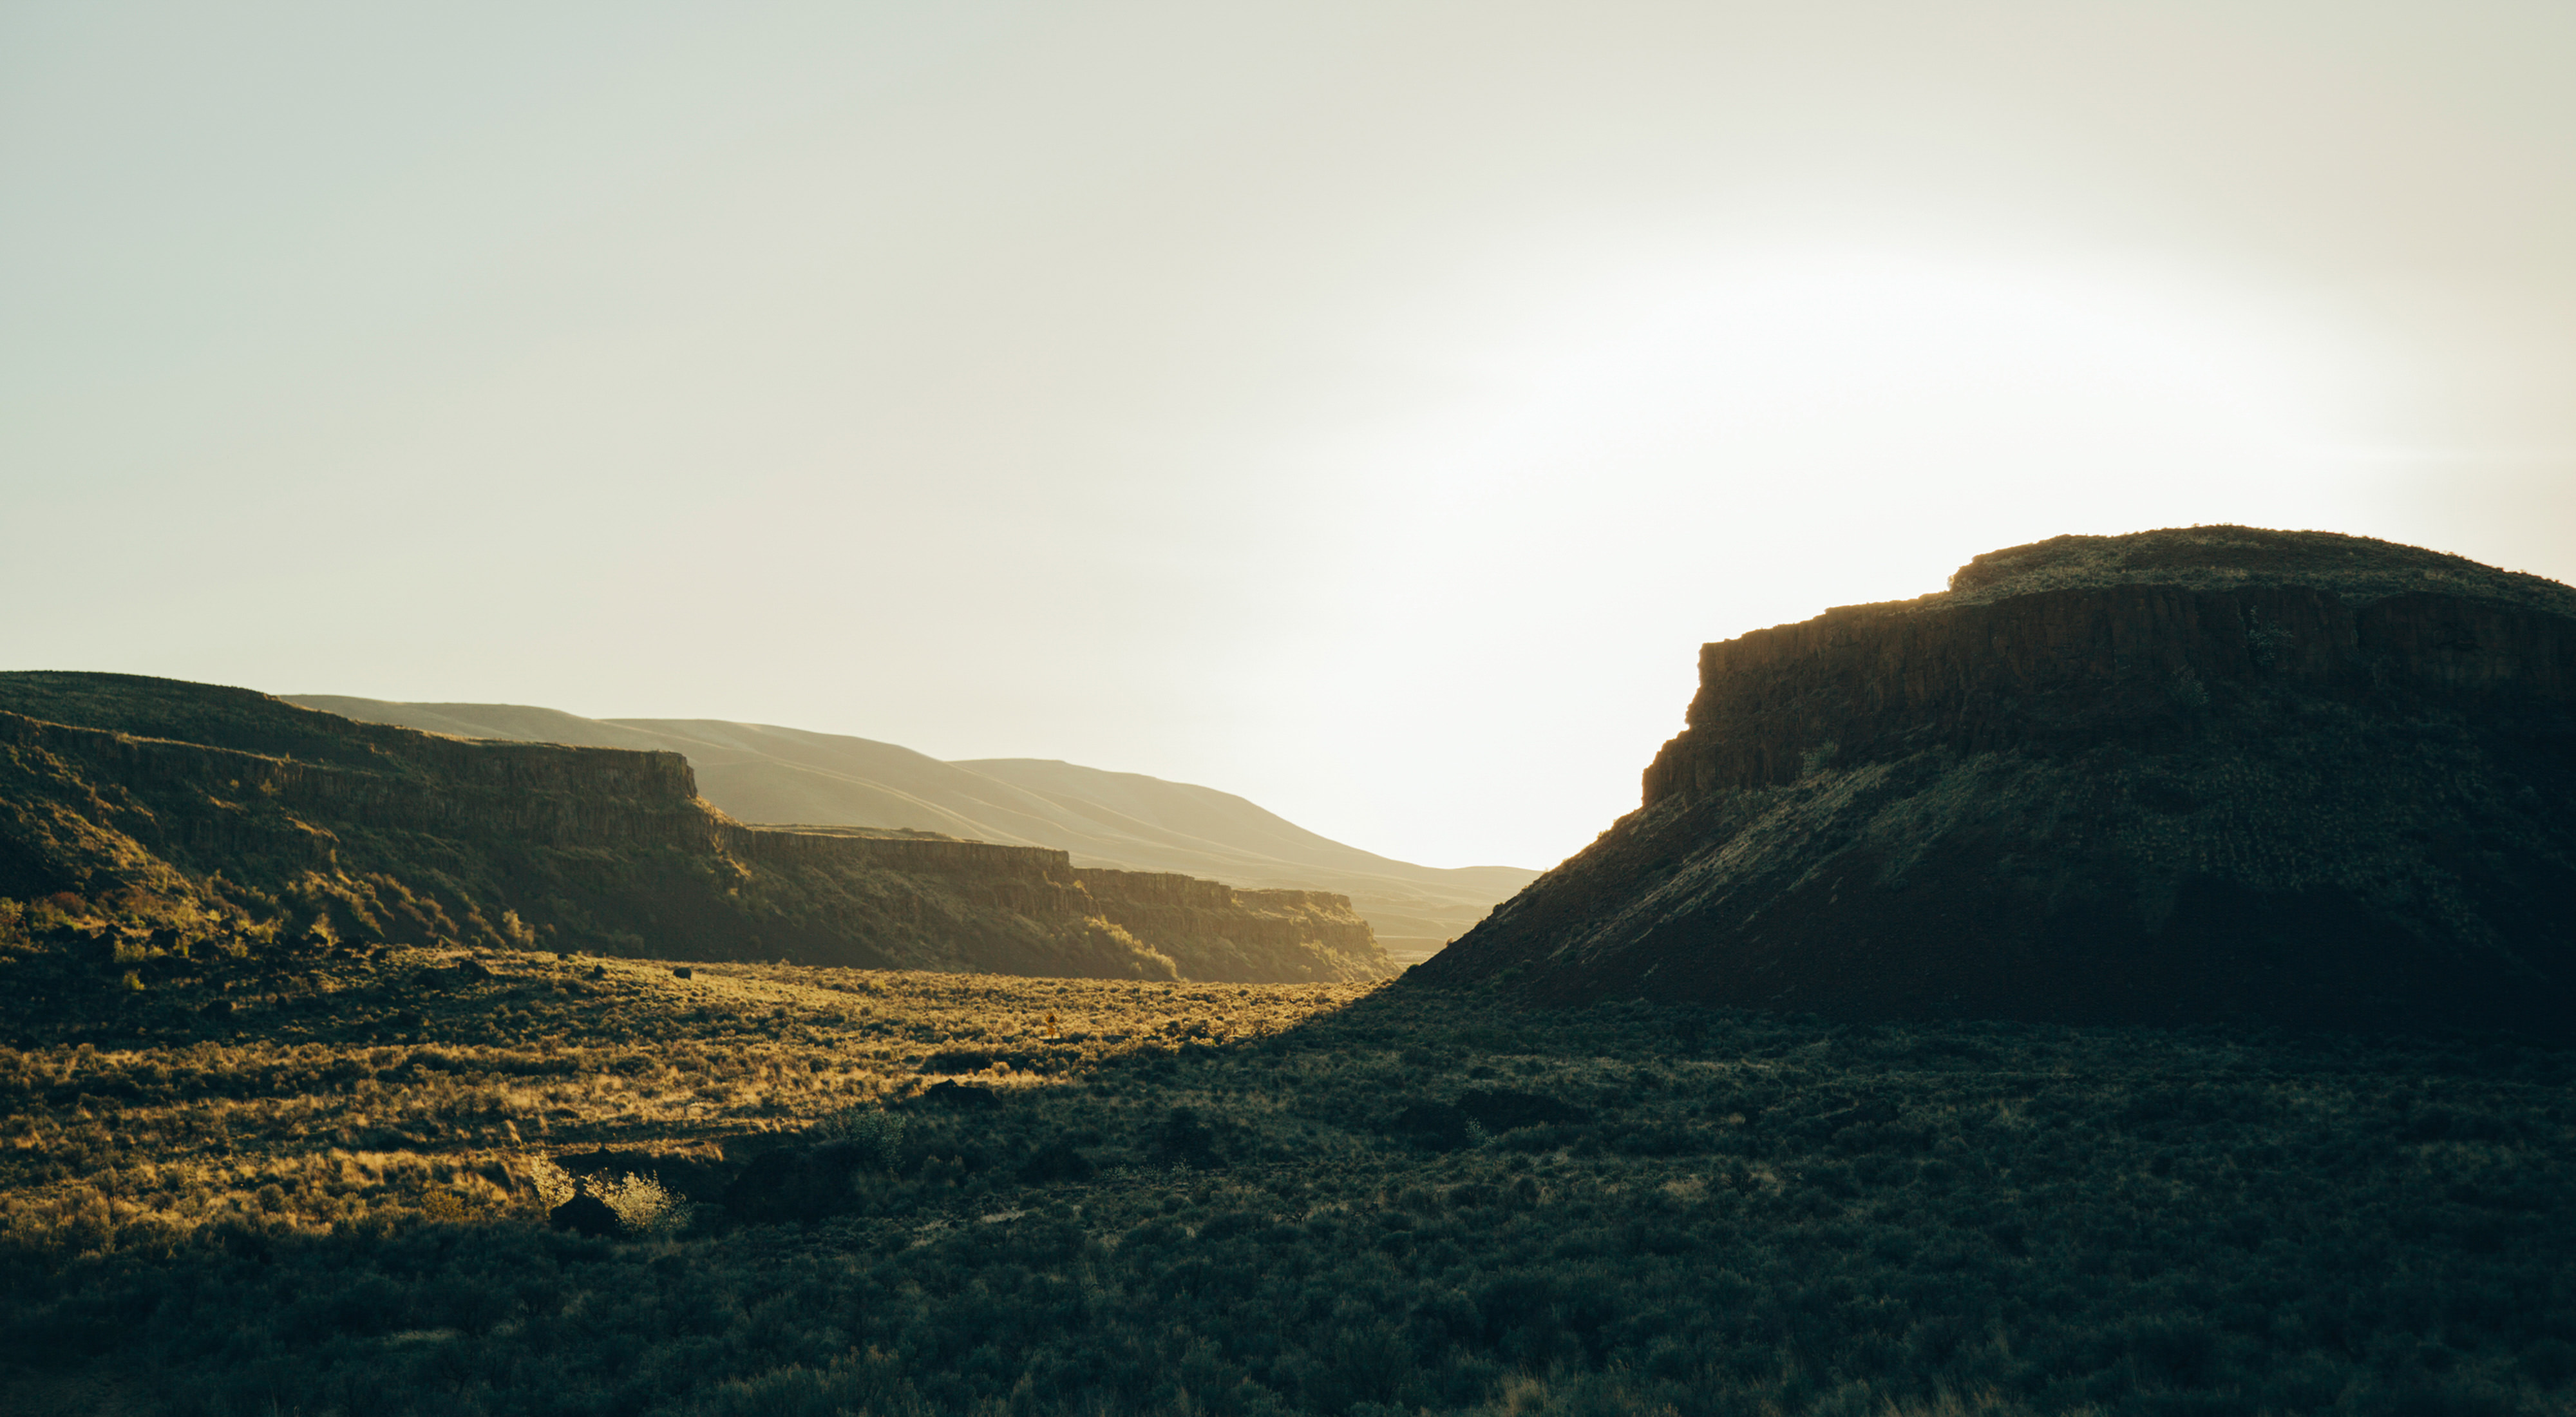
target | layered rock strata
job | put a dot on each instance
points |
(270, 818)
(2184, 776)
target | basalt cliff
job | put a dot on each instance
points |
(142, 816)
(2204, 775)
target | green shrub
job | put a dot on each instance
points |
(877, 1130)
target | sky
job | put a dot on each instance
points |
(1367, 408)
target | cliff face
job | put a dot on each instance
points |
(2072, 667)
(2181, 776)
(1205, 929)
(284, 820)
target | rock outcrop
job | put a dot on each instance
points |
(191, 811)
(2183, 776)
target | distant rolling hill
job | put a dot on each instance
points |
(762, 773)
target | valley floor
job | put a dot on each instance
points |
(842, 1191)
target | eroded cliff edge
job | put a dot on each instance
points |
(191, 812)
(2183, 776)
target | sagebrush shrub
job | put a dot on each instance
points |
(644, 1205)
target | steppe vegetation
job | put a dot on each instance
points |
(2356, 569)
(849, 1191)
(361, 1088)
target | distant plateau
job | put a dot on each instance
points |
(762, 773)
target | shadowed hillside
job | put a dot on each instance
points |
(759, 773)
(2179, 776)
(141, 816)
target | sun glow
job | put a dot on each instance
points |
(1866, 387)
(1679, 451)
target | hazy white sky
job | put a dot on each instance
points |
(1365, 407)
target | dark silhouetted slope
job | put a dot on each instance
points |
(2190, 775)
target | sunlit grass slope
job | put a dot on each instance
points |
(355, 1089)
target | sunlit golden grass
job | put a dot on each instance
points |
(391, 1097)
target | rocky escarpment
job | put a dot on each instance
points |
(272, 819)
(2216, 773)
(1209, 930)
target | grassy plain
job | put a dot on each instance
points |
(1188, 1198)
